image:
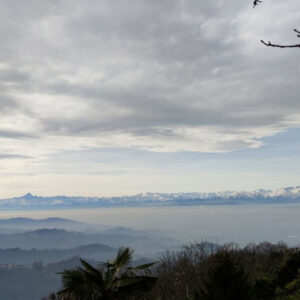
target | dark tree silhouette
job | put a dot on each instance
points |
(270, 44)
(114, 280)
(226, 280)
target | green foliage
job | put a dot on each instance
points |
(114, 280)
(225, 280)
(200, 271)
(262, 271)
(289, 271)
(264, 287)
(288, 279)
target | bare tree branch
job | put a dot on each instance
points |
(269, 44)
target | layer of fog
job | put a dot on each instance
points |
(241, 224)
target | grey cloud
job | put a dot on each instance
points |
(7, 103)
(153, 109)
(156, 66)
(4, 156)
(12, 134)
(10, 76)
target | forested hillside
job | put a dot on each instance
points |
(206, 271)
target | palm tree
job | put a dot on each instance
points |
(114, 280)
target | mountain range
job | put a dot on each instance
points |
(29, 201)
(50, 233)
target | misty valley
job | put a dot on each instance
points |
(33, 251)
(36, 246)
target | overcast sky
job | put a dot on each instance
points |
(126, 96)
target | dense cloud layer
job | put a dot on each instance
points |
(157, 75)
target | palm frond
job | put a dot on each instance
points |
(92, 273)
(116, 278)
(142, 267)
(76, 284)
(123, 258)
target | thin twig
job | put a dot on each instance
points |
(269, 44)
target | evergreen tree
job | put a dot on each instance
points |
(225, 280)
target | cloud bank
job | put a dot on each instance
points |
(164, 76)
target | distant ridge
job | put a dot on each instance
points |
(29, 256)
(22, 224)
(29, 201)
(22, 220)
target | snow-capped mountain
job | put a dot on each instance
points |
(29, 201)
